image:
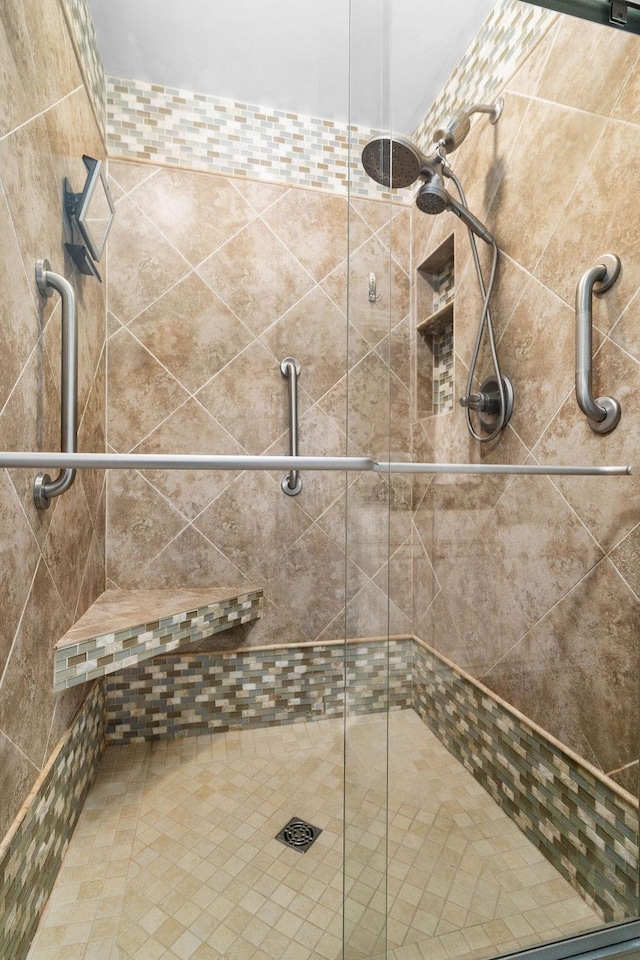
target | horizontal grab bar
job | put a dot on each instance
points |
(173, 461)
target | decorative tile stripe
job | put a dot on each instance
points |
(32, 851)
(204, 693)
(148, 121)
(501, 45)
(98, 656)
(584, 826)
(84, 37)
(442, 345)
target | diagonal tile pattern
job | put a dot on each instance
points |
(175, 854)
(194, 364)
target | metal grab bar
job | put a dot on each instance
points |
(44, 488)
(290, 368)
(604, 413)
(173, 461)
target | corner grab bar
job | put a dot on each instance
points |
(44, 488)
(603, 414)
(290, 368)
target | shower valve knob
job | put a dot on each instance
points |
(482, 402)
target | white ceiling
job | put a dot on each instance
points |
(295, 55)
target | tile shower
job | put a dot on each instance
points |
(486, 599)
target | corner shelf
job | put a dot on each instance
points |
(125, 627)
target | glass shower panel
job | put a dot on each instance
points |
(371, 302)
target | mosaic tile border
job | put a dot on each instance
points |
(502, 44)
(151, 122)
(33, 850)
(147, 121)
(107, 653)
(83, 34)
(232, 690)
(584, 827)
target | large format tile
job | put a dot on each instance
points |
(191, 332)
(310, 580)
(523, 226)
(21, 326)
(315, 333)
(19, 556)
(190, 430)
(253, 522)
(607, 505)
(598, 220)
(142, 264)
(313, 226)
(569, 76)
(28, 677)
(134, 374)
(140, 523)
(56, 65)
(34, 197)
(197, 212)
(259, 288)
(17, 775)
(538, 544)
(576, 672)
(249, 398)
(17, 70)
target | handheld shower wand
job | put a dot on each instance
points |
(397, 162)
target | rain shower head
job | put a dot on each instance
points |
(393, 161)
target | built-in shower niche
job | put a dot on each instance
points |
(435, 289)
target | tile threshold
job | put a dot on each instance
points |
(126, 627)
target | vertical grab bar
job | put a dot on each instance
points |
(603, 414)
(290, 368)
(44, 488)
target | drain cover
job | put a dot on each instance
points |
(298, 834)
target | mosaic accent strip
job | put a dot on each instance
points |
(444, 281)
(93, 648)
(442, 345)
(501, 45)
(32, 852)
(83, 34)
(205, 693)
(148, 121)
(584, 827)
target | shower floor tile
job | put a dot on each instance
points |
(175, 857)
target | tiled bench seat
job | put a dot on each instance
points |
(125, 627)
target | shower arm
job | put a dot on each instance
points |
(44, 488)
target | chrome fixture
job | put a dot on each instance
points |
(434, 198)
(374, 296)
(455, 130)
(91, 211)
(603, 414)
(44, 488)
(396, 162)
(12, 459)
(290, 368)
(487, 403)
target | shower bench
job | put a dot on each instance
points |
(125, 627)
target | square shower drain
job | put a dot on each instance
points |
(298, 834)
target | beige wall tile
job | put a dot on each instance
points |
(256, 287)
(569, 76)
(176, 201)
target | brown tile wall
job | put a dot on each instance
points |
(212, 282)
(530, 584)
(52, 562)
